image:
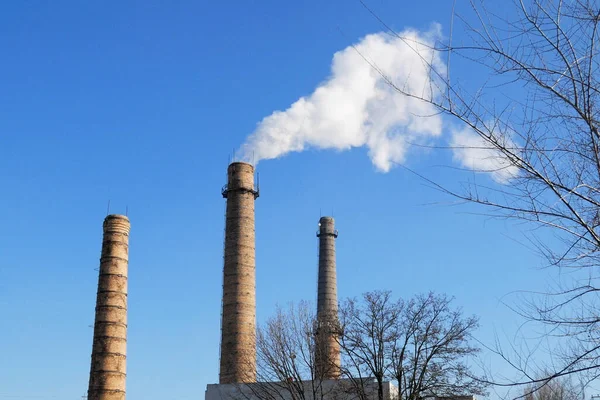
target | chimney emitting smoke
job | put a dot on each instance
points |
(238, 319)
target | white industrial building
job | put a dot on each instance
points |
(338, 389)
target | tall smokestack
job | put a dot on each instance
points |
(238, 319)
(108, 368)
(327, 347)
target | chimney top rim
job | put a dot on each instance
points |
(241, 163)
(116, 216)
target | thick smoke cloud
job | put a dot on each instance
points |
(356, 107)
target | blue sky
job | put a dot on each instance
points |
(142, 104)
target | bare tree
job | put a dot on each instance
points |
(557, 389)
(535, 121)
(286, 358)
(431, 350)
(368, 335)
(421, 344)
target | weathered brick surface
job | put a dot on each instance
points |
(238, 323)
(327, 349)
(108, 366)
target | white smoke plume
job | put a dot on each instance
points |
(356, 107)
(472, 151)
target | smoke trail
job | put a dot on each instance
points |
(356, 107)
(471, 151)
